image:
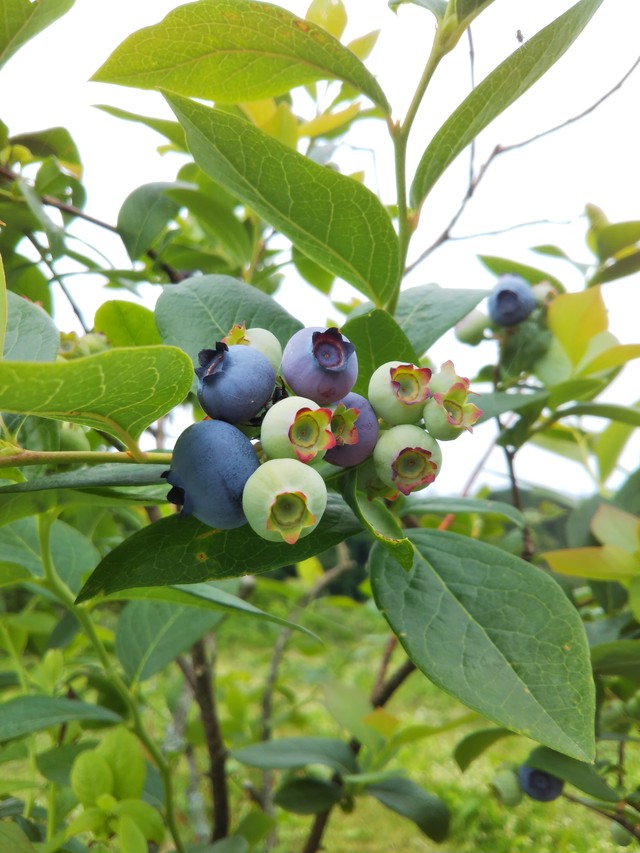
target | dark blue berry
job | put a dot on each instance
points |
(234, 382)
(212, 460)
(320, 364)
(538, 784)
(511, 301)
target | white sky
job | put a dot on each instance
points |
(595, 160)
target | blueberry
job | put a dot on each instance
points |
(320, 364)
(212, 460)
(539, 785)
(511, 301)
(234, 382)
(398, 391)
(407, 458)
(296, 428)
(260, 339)
(284, 500)
(355, 436)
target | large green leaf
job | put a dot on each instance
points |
(21, 20)
(196, 313)
(294, 752)
(437, 7)
(498, 91)
(576, 773)
(30, 333)
(150, 634)
(494, 631)
(14, 839)
(406, 798)
(334, 220)
(126, 324)
(144, 215)
(179, 550)
(234, 50)
(426, 312)
(121, 391)
(25, 714)
(444, 506)
(3, 308)
(377, 339)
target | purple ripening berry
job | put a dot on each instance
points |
(355, 427)
(320, 364)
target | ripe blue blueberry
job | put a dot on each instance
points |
(511, 301)
(212, 460)
(538, 784)
(320, 364)
(356, 434)
(234, 382)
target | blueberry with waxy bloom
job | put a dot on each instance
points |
(447, 413)
(355, 426)
(234, 382)
(211, 462)
(511, 300)
(297, 428)
(407, 458)
(284, 500)
(539, 785)
(261, 339)
(398, 392)
(320, 364)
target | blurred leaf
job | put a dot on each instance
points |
(30, 333)
(576, 773)
(307, 795)
(496, 632)
(179, 550)
(150, 634)
(329, 122)
(53, 231)
(377, 339)
(3, 308)
(502, 266)
(615, 238)
(312, 273)
(438, 7)
(475, 744)
(613, 526)
(171, 129)
(627, 265)
(615, 356)
(334, 220)
(363, 45)
(126, 324)
(465, 9)
(12, 838)
(143, 217)
(496, 92)
(444, 506)
(426, 312)
(121, 391)
(295, 752)
(500, 402)
(609, 444)
(53, 142)
(619, 657)
(406, 798)
(25, 714)
(605, 563)
(21, 20)
(328, 14)
(231, 51)
(25, 278)
(602, 410)
(199, 311)
(574, 318)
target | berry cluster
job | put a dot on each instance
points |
(299, 403)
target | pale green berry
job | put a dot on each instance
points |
(398, 392)
(407, 458)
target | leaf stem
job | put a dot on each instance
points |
(87, 457)
(62, 592)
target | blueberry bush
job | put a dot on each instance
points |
(158, 467)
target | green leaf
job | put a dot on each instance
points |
(21, 20)
(502, 266)
(496, 632)
(576, 773)
(619, 657)
(308, 795)
(121, 391)
(467, 10)
(53, 231)
(150, 634)
(30, 333)
(55, 763)
(171, 129)
(179, 550)
(334, 220)
(12, 573)
(231, 51)
(196, 313)
(438, 7)
(616, 238)
(426, 312)
(474, 745)
(13, 839)
(54, 142)
(406, 798)
(500, 402)
(121, 749)
(91, 777)
(444, 506)
(377, 339)
(295, 752)
(126, 324)
(3, 308)
(143, 217)
(611, 412)
(25, 714)
(498, 91)
(605, 563)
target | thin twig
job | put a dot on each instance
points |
(57, 278)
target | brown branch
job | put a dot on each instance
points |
(503, 149)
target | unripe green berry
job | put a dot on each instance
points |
(407, 458)
(620, 835)
(297, 428)
(398, 392)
